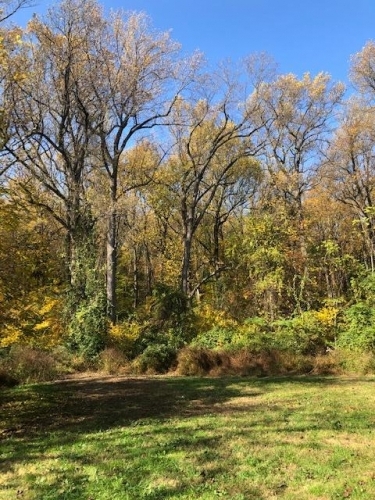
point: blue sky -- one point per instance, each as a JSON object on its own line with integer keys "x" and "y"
{"x": 302, "y": 35}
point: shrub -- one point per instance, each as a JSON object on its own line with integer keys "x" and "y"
{"x": 27, "y": 364}
{"x": 303, "y": 334}
{"x": 88, "y": 328}
{"x": 359, "y": 363}
{"x": 168, "y": 304}
{"x": 358, "y": 331}
{"x": 255, "y": 335}
{"x": 217, "y": 338}
{"x": 156, "y": 359}
{"x": 111, "y": 360}
{"x": 197, "y": 361}
{"x": 125, "y": 335}
{"x": 328, "y": 364}
{"x": 208, "y": 318}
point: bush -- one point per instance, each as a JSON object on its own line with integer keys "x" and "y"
{"x": 355, "y": 362}
{"x": 156, "y": 359}
{"x": 125, "y": 335}
{"x": 358, "y": 331}
{"x": 216, "y": 338}
{"x": 198, "y": 361}
{"x": 304, "y": 334}
{"x": 111, "y": 360}
{"x": 328, "y": 364}
{"x": 87, "y": 328}
{"x": 27, "y": 364}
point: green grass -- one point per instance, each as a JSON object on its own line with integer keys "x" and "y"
{"x": 189, "y": 438}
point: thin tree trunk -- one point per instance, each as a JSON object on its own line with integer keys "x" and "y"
{"x": 135, "y": 279}
{"x": 186, "y": 260}
{"x": 112, "y": 257}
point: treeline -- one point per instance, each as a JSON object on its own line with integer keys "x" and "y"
{"x": 148, "y": 203}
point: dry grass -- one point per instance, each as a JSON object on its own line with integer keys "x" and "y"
{"x": 198, "y": 361}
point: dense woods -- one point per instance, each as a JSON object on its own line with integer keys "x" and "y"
{"x": 148, "y": 203}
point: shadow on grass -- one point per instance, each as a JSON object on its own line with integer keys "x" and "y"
{"x": 38, "y": 421}
{"x": 91, "y": 405}
{"x": 95, "y": 404}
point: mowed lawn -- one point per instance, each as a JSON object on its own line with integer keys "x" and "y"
{"x": 189, "y": 438}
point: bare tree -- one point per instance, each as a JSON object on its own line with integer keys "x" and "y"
{"x": 212, "y": 138}
{"x": 9, "y": 7}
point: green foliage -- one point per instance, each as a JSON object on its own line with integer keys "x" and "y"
{"x": 215, "y": 338}
{"x": 166, "y": 325}
{"x": 308, "y": 333}
{"x": 255, "y": 334}
{"x": 363, "y": 288}
{"x": 157, "y": 358}
{"x": 168, "y": 304}
{"x": 302, "y": 334}
{"x": 359, "y": 328}
{"x": 87, "y": 323}
{"x": 88, "y": 327}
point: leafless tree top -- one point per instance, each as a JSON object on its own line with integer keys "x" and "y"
{"x": 9, "y": 7}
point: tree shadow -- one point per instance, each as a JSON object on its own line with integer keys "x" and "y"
{"x": 99, "y": 403}
{"x": 95, "y": 404}
{"x": 68, "y": 410}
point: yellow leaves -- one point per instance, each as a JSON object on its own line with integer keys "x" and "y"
{"x": 362, "y": 70}
{"x": 208, "y": 317}
{"x": 327, "y": 316}
{"x": 49, "y": 305}
{"x": 9, "y": 41}
{"x": 42, "y": 326}
{"x": 124, "y": 335}
{"x": 9, "y": 335}
{"x": 35, "y": 320}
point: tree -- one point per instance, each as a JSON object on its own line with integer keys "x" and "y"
{"x": 350, "y": 169}
{"x": 135, "y": 76}
{"x": 9, "y": 7}
{"x": 10, "y": 38}
{"x": 51, "y": 127}
{"x": 298, "y": 116}
{"x": 30, "y": 275}
{"x": 211, "y": 142}
{"x": 362, "y": 71}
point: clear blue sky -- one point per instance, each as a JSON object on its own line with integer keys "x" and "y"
{"x": 302, "y": 35}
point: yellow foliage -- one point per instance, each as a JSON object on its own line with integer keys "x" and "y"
{"x": 327, "y": 316}
{"x": 34, "y": 321}
{"x": 48, "y": 306}
{"x": 124, "y": 335}
{"x": 10, "y": 335}
{"x": 42, "y": 326}
{"x": 207, "y": 317}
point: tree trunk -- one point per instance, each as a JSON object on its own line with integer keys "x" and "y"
{"x": 135, "y": 278}
{"x": 112, "y": 256}
{"x": 186, "y": 260}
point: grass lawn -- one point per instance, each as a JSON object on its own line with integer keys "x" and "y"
{"x": 189, "y": 438}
